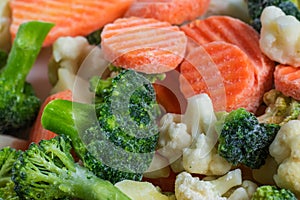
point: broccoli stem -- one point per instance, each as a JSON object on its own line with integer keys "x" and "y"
{"x": 68, "y": 118}
{"x": 25, "y": 49}
{"x": 92, "y": 188}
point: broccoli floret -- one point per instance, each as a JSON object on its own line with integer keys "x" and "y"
{"x": 48, "y": 171}
{"x": 117, "y": 136}
{"x": 243, "y": 140}
{"x": 18, "y": 103}
{"x": 270, "y": 192}
{"x": 280, "y": 108}
{"x": 255, "y": 8}
{"x": 8, "y": 156}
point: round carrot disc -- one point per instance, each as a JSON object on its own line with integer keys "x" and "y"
{"x": 143, "y": 44}
{"x": 237, "y": 32}
{"x": 287, "y": 81}
{"x": 172, "y": 11}
{"x": 221, "y": 70}
{"x": 71, "y": 18}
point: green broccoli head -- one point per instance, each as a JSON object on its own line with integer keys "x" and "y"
{"x": 243, "y": 140}
{"x": 19, "y": 105}
{"x": 119, "y": 141}
{"x": 18, "y": 108}
{"x": 126, "y": 135}
{"x": 255, "y": 8}
{"x": 8, "y": 156}
{"x": 272, "y": 193}
{"x": 8, "y": 192}
{"x": 48, "y": 171}
{"x": 280, "y": 108}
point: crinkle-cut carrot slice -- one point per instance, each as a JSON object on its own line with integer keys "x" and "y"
{"x": 143, "y": 44}
{"x": 226, "y": 74}
{"x": 71, "y": 18}
{"x": 172, "y": 11}
{"x": 235, "y": 31}
{"x": 37, "y": 132}
{"x": 287, "y": 80}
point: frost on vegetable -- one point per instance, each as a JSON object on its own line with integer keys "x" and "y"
{"x": 69, "y": 54}
{"x": 188, "y": 187}
{"x": 286, "y": 152}
{"x": 280, "y": 36}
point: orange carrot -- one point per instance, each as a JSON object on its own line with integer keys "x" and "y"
{"x": 287, "y": 80}
{"x": 145, "y": 45}
{"x": 223, "y": 71}
{"x": 235, "y": 31}
{"x": 172, "y": 11}
{"x": 71, "y": 18}
{"x": 37, "y": 132}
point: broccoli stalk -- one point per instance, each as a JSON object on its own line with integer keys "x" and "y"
{"x": 272, "y": 193}
{"x": 48, "y": 171}
{"x": 116, "y": 137}
{"x": 18, "y": 104}
{"x": 8, "y": 156}
{"x": 243, "y": 140}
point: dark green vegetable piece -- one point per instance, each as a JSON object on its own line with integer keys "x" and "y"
{"x": 47, "y": 171}
{"x": 255, "y": 8}
{"x": 116, "y": 137}
{"x": 269, "y": 192}
{"x": 3, "y": 58}
{"x": 8, "y": 156}
{"x": 243, "y": 140}
{"x": 18, "y": 103}
{"x": 94, "y": 38}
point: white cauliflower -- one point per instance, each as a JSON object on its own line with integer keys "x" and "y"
{"x": 280, "y": 36}
{"x": 286, "y": 151}
{"x": 188, "y": 140}
{"x": 69, "y": 55}
{"x": 188, "y": 187}
{"x": 5, "y": 21}
{"x": 202, "y": 157}
{"x": 173, "y": 137}
{"x": 244, "y": 192}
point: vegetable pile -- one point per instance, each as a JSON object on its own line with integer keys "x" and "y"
{"x": 151, "y": 99}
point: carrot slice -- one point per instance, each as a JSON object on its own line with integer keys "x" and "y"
{"x": 235, "y": 31}
{"x": 229, "y": 83}
{"x": 37, "y": 132}
{"x": 287, "y": 80}
{"x": 71, "y": 18}
{"x": 172, "y": 11}
{"x": 143, "y": 44}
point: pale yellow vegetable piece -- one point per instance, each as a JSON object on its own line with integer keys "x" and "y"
{"x": 141, "y": 190}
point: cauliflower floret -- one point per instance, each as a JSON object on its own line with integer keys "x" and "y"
{"x": 188, "y": 140}
{"x": 70, "y": 54}
{"x": 192, "y": 188}
{"x": 280, "y": 36}
{"x": 5, "y": 21}
{"x": 286, "y": 151}
{"x": 202, "y": 157}
{"x": 173, "y": 137}
{"x": 244, "y": 192}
